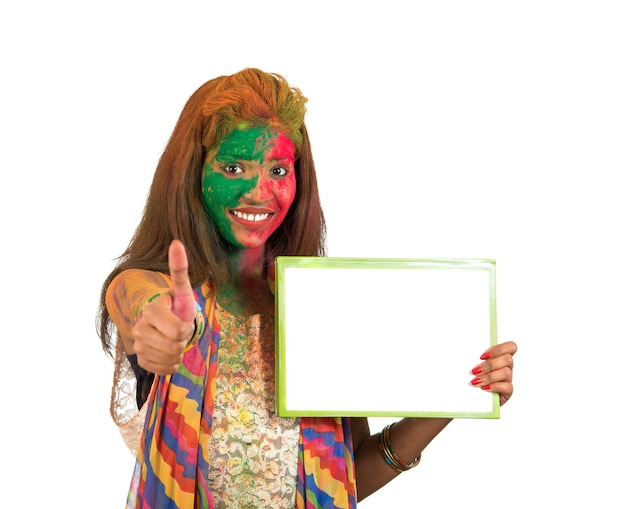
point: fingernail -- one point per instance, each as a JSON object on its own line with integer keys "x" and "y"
{"x": 477, "y": 370}
{"x": 485, "y": 356}
{"x": 486, "y": 387}
{"x": 476, "y": 381}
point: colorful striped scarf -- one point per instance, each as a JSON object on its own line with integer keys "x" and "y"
{"x": 171, "y": 471}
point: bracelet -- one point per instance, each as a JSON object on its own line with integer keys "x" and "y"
{"x": 199, "y": 326}
{"x": 390, "y": 456}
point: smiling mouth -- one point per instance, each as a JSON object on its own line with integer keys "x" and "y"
{"x": 255, "y": 218}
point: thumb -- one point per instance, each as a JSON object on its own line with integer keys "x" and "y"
{"x": 183, "y": 302}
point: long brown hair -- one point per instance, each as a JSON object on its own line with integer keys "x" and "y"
{"x": 175, "y": 209}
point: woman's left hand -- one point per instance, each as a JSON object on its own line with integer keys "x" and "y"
{"x": 495, "y": 373}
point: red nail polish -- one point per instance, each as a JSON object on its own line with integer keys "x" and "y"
{"x": 486, "y": 387}
{"x": 485, "y": 356}
{"x": 477, "y": 370}
{"x": 476, "y": 381}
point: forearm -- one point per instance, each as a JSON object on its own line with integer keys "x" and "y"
{"x": 409, "y": 438}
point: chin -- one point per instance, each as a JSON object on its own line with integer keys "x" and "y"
{"x": 251, "y": 243}
{"x": 249, "y": 240}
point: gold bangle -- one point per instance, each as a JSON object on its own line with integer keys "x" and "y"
{"x": 199, "y": 327}
{"x": 390, "y": 456}
{"x": 387, "y": 457}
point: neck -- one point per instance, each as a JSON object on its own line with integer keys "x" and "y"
{"x": 247, "y": 292}
{"x": 247, "y": 263}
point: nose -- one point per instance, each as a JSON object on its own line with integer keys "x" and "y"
{"x": 260, "y": 192}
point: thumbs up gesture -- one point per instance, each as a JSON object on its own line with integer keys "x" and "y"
{"x": 167, "y": 321}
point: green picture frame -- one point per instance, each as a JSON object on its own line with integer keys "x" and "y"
{"x": 383, "y": 337}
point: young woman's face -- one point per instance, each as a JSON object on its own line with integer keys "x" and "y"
{"x": 249, "y": 183}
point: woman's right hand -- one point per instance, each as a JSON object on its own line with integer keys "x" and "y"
{"x": 166, "y": 325}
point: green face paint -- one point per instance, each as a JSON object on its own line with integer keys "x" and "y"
{"x": 247, "y": 144}
{"x": 221, "y": 193}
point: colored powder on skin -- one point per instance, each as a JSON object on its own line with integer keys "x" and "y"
{"x": 220, "y": 192}
{"x": 249, "y": 144}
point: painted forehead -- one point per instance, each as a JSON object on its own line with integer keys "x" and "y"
{"x": 253, "y": 143}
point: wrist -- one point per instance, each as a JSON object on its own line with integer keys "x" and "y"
{"x": 198, "y": 327}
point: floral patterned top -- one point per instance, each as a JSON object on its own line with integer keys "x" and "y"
{"x": 253, "y": 453}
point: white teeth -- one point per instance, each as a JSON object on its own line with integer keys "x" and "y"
{"x": 250, "y": 217}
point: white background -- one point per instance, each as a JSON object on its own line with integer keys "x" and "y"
{"x": 486, "y": 129}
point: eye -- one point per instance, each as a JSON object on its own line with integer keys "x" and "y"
{"x": 279, "y": 171}
{"x": 233, "y": 169}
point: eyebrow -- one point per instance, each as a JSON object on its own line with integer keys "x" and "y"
{"x": 234, "y": 156}
{"x": 284, "y": 159}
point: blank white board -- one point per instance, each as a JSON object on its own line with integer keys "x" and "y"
{"x": 383, "y": 337}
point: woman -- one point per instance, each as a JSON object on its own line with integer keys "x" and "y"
{"x": 236, "y": 187}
